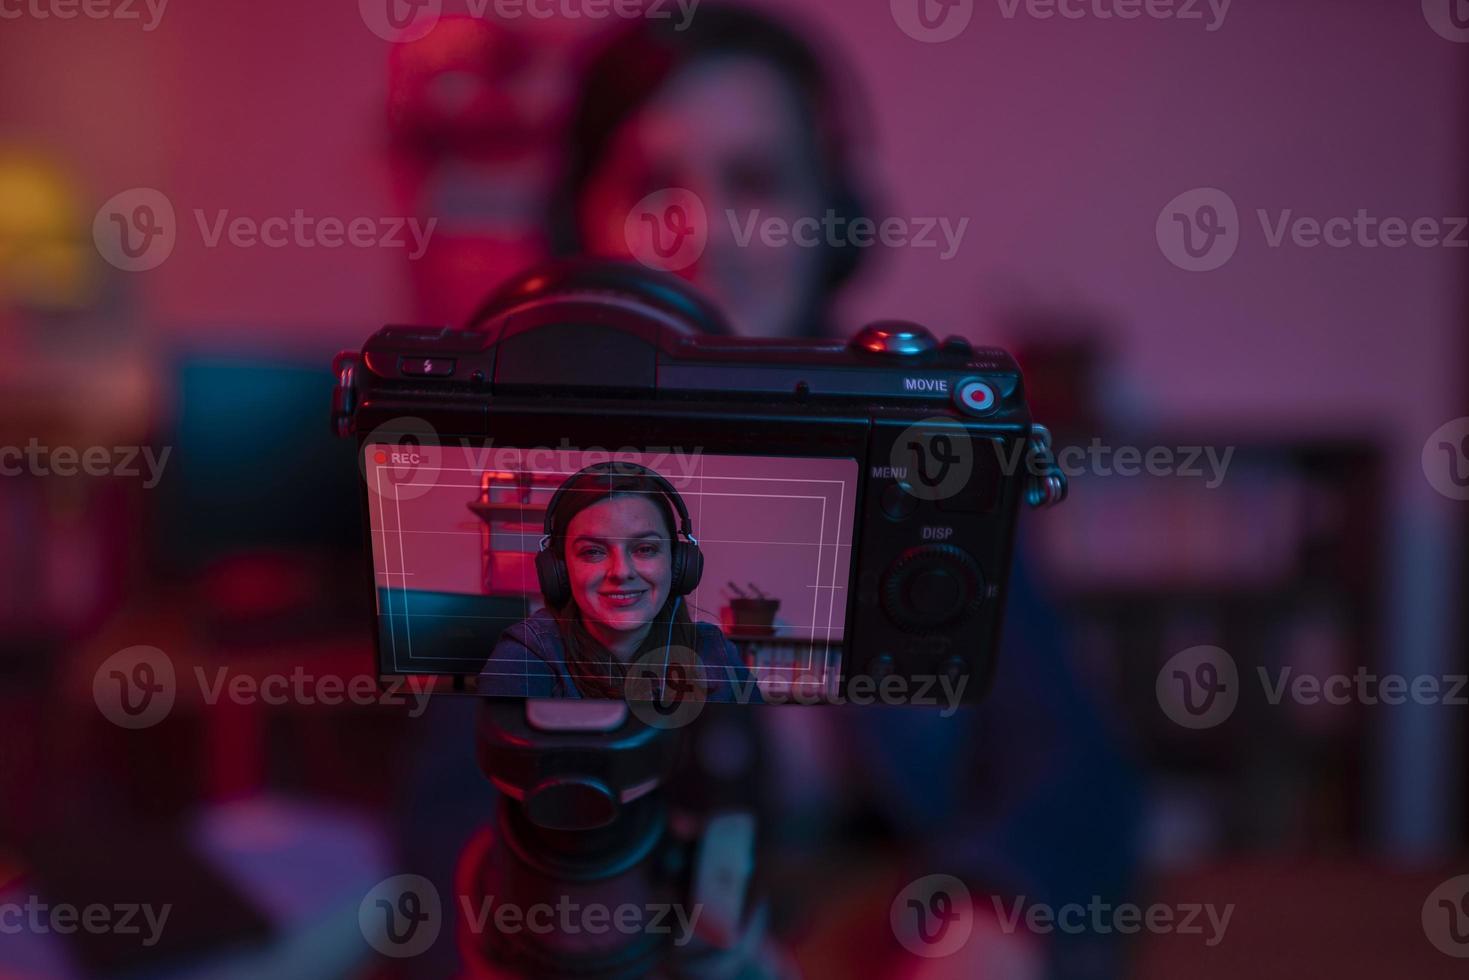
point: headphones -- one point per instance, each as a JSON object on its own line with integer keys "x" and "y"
{"x": 655, "y": 296}
{"x": 688, "y": 560}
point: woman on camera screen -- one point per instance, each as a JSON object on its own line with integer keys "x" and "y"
{"x": 615, "y": 565}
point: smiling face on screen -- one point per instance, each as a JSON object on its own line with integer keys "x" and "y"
{"x": 620, "y": 564}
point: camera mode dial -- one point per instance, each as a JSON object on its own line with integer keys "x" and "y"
{"x": 894, "y": 337}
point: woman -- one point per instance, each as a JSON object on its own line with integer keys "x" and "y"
{"x": 614, "y": 575}
{"x": 737, "y": 110}
{"x": 1027, "y": 794}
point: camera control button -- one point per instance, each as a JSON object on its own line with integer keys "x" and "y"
{"x": 427, "y": 367}
{"x": 974, "y": 396}
{"x": 898, "y": 337}
{"x": 897, "y": 502}
{"x": 931, "y": 587}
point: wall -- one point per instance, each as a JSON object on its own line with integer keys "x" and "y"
{"x": 1059, "y": 139}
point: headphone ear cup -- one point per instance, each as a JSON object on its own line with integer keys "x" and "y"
{"x": 688, "y": 567}
{"x": 551, "y": 571}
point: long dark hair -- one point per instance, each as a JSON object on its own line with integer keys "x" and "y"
{"x": 593, "y": 668}
{"x": 639, "y": 61}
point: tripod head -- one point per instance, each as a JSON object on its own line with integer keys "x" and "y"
{"x": 583, "y": 822}
{"x": 572, "y": 765}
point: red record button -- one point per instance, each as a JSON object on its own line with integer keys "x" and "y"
{"x": 974, "y": 396}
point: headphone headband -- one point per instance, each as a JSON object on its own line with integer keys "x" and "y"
{"x": 617, "y": 468}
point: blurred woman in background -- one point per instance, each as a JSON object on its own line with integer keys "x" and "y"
{"x": 1025, "y": 796}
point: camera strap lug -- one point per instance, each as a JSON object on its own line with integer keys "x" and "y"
{"x": 1046, "y": 485}
{"x": 344, "y": 395}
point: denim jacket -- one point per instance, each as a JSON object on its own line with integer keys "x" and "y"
{"x": 530, "y": 661}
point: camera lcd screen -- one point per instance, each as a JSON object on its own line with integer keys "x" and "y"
{"x": 610, "y": 603}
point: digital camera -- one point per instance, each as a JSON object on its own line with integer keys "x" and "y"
{"x": 594, "y": 475}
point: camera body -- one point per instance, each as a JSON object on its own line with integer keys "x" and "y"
{"x": 933, "y": 442}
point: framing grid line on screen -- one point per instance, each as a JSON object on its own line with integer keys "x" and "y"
{"x": 721, "y": 524}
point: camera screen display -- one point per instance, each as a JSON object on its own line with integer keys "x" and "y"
{"x": 591, "y": 573}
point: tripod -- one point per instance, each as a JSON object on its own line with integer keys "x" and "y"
{"x": 585, "y": 872}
